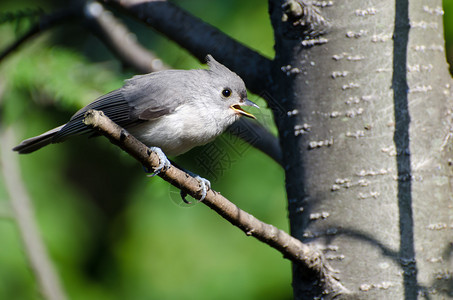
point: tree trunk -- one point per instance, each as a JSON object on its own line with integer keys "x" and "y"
{"x": 362, "y": 100}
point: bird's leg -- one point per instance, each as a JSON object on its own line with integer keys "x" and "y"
{"x": 164, "y": 163}
{"x": 205, "y": 186}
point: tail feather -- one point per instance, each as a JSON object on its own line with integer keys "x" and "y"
{"x": 37, "y": 142}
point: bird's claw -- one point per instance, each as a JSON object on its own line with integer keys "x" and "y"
{"x": 205, "y": 186}
{"x": 164, "y": 163}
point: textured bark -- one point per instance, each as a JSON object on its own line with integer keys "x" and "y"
{"x": 363, "y": 107}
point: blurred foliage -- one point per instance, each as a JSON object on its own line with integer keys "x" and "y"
{"x": 448, "y": 30}
{"x": 112, "y": 232}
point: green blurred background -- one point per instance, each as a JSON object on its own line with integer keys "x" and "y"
{"x": 112, "y": 232}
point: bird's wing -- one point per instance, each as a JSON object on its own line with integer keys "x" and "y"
{"x": 134, "y": 103}
{"x": 153, "y": 95}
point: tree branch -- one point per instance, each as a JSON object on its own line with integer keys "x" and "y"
{"x": 120, "y": 40}
{"x": 259, "y": 137}
{"x": 200, "y": 39}
{"x": 290, "y": 247}
{"x": 22, "y": 208}
{"x": 45, "y": 22}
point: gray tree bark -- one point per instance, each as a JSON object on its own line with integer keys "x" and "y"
{"x": 362, "y": 99}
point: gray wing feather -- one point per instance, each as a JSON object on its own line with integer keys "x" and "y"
{"x": 154, "y": 95}
{"x": 112, "y": 104}
{"x": 132, "y": 104}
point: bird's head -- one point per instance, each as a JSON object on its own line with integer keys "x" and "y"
{"x": 230, "y": 89}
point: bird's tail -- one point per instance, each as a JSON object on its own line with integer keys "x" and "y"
{"x": 37, "y": 142}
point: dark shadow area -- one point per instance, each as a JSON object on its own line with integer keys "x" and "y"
{"x": 97, "y": 172}
{"x": 442, "y": 281}
{"x": 401, "y": 139}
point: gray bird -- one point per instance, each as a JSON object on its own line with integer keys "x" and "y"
{"x": 171, "y": 111}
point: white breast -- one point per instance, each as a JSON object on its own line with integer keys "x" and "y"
{"x": 184, "y": 129}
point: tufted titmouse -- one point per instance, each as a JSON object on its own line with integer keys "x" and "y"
{"x": 174, "y": 110}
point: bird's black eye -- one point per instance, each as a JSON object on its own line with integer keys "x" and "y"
{"x": 226, "y": 92}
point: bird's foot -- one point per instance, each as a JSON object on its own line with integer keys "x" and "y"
{"x": 164, "y": 163}
{"x": 205, "y": 186}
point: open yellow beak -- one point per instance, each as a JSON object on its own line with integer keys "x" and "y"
{"x": 238, "y": 109}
